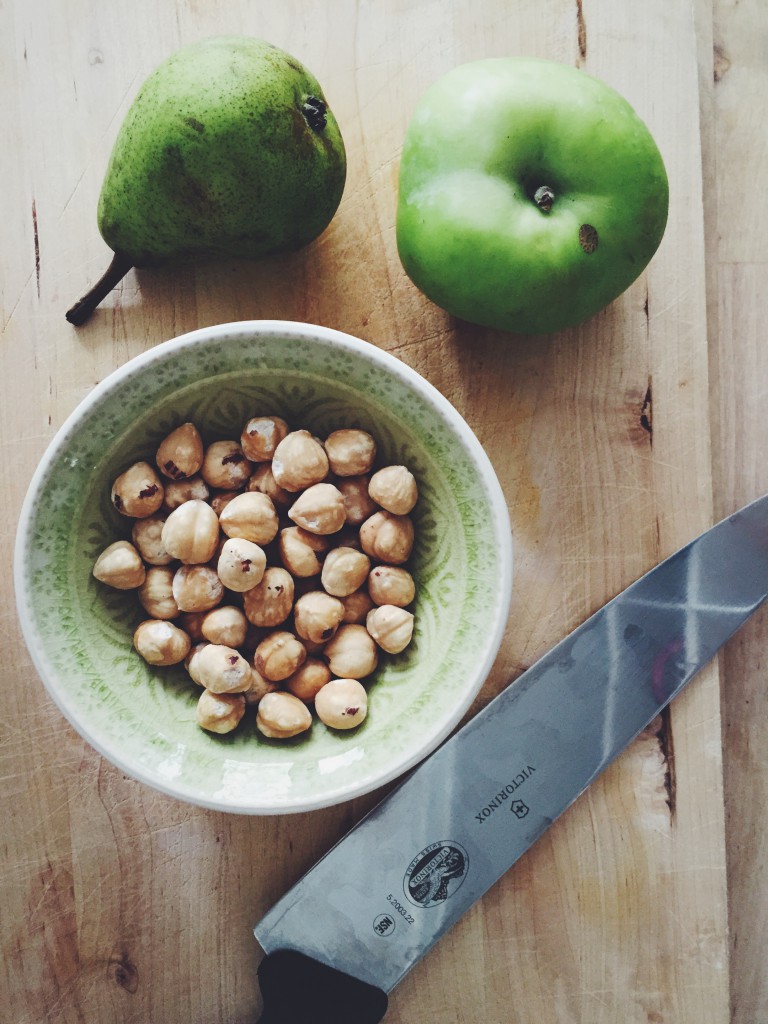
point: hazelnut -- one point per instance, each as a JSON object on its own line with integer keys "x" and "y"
{"x": 344, "y": 571}
{"x": 389, "y": 584}
{"x": 220, "y": 501}
{"x": 279, "y": 655}
{"x": 196, "y": 588}
{"x": 262, "y": 479}
{"x": 317, "y": 615}
{"x": 192, "y": 624}
{"x": 299, "y": 461}
{"x": 358, "y": 504}
{"x": 350, "y": 452}
{"x": 222, "y": 669}
{"x": 342, "y": 703}
{"x": 313, "y": 648}
{"x": 261, "y": 436}
{"x": 390, "y": 627}
{"x": 259, "y": 688}
{"x": 179, "y": 491}
{"x": 180, "y": 454}
{"x": 156, "y": 593}
{"x": 160, "y": 642}
{"x": 351, "y": 652}
{"x": 220, "y": 712}
{"x": 225, "y": 625}
{"x": 250, "y": 515}
{"x": 241, "y": 564}
{"x": 191, "y": 662}
{"x": 281, "y": 715}
{"x": 146, "y": 535}
{"x": 299, "y": 550}
{"x": 225, "y": 466}
{"x": 319, "y": 509}
{"x": 394, "y": 488}
{"x": 386, "y": 537}
{"x": 308, "y": 679}
{"x": 120, "y": 566}
{"x": 191, "y": 532}
{"x": 138, "y": 491}
{"x": 356, "y": 606}
{"x": 270, "y": 602}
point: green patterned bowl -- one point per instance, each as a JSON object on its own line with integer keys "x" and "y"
{"x": 143, "y": 719}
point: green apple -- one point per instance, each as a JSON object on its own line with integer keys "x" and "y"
{"x": 530, "y": 196}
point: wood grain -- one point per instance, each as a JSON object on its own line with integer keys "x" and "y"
{"x": 119, "y": 904}
{"x": 737, "y": 252}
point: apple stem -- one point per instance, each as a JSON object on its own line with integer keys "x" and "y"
{"x": 544, "y": 197}
{"x": 113, "y": 275}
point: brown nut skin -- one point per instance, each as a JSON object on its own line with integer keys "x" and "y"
{"x": 138, "y": 492}
{"x": 261, "y": 436}
{"x": 391, "y": 584}
{"x": 270, "y": 602}
{"x": 197, "y": 588}
{"x": 279, "y": 655}
{"x": 351, "y": 452}
{"x": 385, "y": 537}
{"x": 222, "y": 669}
{"x": 191, "y": 532}
{"x": 319, "y": 509}
{"x": 180, "y": 454}
{"x": 300, "y": 551}
{"x": 147, "y": 537}
{"x": 120, "y": 566}
{"x": 299, "y": 461}
{"x": 156, "y": 593}
{"x": 179, "y": 491}
{"x": 225, "y": 466}
{"x": 342, "y": 704}
{"x": 241, "y": 564}
{"x": 308, "y": 679}
{"x": 281, "y": 715}
{"x": 356, "y": 606}
{"x": 358, "y": 504}
{"x": 160, "y": 642}
{"x": 317, "y": 615}
{"x": 344, "y": 571}
{"x": 391, "y": 627}
{"x": 351, "y": 653}
{"x": 394, "y": 488}
{"x": 252, "y": 516}
{"x": 225, "y": 625}
{"x": 220, "y": 712}
{"x": 262, "y": 479}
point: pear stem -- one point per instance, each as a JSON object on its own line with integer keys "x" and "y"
{"x": 114, "y": 274}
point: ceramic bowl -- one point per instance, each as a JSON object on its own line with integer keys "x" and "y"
{"x": 79, "y": 631}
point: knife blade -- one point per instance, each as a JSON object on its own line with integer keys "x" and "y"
{"x": 349, "y": 930}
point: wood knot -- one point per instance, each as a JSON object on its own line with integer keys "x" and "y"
{"x": 123, "y": 972}
{"x": 720, "y": 63}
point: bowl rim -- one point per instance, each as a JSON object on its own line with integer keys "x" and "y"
{"x": 311, "y": 332}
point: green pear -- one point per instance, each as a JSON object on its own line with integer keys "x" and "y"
{"x": 228, "y": 150}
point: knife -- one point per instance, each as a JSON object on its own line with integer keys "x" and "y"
{"x": 341, "y": 939}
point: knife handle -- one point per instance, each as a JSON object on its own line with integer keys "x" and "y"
{"x": 296, "y": 989}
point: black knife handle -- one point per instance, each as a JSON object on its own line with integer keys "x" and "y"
{"x": 299, "y": 990}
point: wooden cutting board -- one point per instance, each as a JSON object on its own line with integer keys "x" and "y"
{"x": 119, "y": 904}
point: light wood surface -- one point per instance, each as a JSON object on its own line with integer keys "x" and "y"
{"x": 615, "y": 443}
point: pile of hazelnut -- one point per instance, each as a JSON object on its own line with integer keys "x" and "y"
{"x": 272, "y": 566}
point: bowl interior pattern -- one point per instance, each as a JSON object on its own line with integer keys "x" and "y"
{"x": 143, "y": 718}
